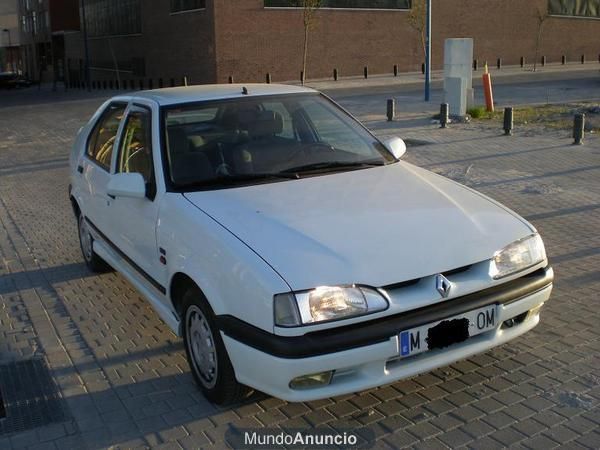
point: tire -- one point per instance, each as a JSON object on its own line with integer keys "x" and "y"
{"x": 206, "y": 353}
{"x": 86, "y": 243}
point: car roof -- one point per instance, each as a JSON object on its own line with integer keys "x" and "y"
{"x": 200, "y": 93}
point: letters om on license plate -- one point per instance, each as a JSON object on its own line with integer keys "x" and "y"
{"x": 448, "y": 331}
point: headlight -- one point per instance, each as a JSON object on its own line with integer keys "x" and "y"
{"x": 518, "y": 256}
{"x": 326, "y": 303}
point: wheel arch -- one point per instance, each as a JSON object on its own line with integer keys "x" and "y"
{"x": 75, "y": 206}
{"x": 180, "y": 282}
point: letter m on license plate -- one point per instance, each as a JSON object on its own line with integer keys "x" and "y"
{"x": 449, "y": 331}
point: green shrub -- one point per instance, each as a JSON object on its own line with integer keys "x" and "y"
{"x": 477, "y": 112}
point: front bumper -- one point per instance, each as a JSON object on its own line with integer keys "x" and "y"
{"x": 366, "y": 355}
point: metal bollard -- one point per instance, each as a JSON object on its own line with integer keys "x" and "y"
{"x": 395, "y": 70}
{"x": 444, "y": 111}
{"x": 160, "y": 83}
{"x": 423, "y": 68}
{"x": 141, "y": 85}
{"x": 104, "y": 85}
{"x": 522, "y": 62}
{"x": 508, "y": 121}
{"x": 582, "y": 59}
{"x": 564, "y": 60}
{"x": 499, "y": 63}
{"x": 578, "y": 129}
{"x": 268, "y": 78}
{"x": 335, "y": 74}
{"x": 391, "y": 109}
{"x": 230, "y": 80}
{"x": 150, "y": 84}
{"x": 366, "y": 72}
{"x": 543, "y": 61}
{"x": 302, "y": 77}
{"x": 475, "y": 64}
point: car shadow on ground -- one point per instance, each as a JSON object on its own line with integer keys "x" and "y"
{"x": 14, "y": 282}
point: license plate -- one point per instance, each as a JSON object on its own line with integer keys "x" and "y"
{"x": 449, "y": 331}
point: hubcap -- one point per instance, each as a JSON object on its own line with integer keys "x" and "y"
{"x": 202, "y": 346}
{"x": 85, "y": 239}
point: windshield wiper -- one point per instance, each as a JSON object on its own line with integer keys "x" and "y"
{"x": 225, "y": 180}
{"x": 336, "y": 165}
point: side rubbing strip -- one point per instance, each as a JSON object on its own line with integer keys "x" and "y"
{"x": 159, "y": 287}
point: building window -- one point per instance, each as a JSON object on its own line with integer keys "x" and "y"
{"x": 350, "y": 4}
{"x": 113, "y": 17}
{"x": 187, "y": 5}
{"x": 574, "y": 8}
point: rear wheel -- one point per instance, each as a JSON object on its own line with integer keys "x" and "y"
{"x": 86, "y": 242}
{"x": 206, "y": 352}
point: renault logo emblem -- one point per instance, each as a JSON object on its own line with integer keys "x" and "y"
{"x": 443, "y": 285}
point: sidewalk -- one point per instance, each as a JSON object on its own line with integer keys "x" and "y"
{"x": 417, "y": 78}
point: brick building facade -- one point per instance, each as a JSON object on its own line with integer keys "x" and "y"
{"x": 210, "y": 40}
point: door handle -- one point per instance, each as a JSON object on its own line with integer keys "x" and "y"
{"x": 80, "y": 168}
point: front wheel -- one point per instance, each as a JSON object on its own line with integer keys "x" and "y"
{"x": 86, "y": 242}
{"x": 206, "y": 352}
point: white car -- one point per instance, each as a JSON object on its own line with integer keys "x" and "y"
{"x": 294, "y": 251}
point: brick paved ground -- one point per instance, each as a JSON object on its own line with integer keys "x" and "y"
{"x": 124, "y": 374}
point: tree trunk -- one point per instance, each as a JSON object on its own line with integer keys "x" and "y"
{"x": 537, "y": 47}
{"x": 305, "y": 55}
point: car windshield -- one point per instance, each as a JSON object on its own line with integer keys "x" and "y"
{"x": 264, "y": 139}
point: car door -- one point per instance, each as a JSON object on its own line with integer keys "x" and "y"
{"x": 133, "y": 220}
{"x": 95, "y": 163}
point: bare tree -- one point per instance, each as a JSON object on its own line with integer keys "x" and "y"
{"x": 309, "y": 7}
{"x": 541, "y": 16}
{"x": 417, "y": 19}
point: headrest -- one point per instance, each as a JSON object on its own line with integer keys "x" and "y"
{"x": 267, "y": 123}
{"x": 178, "y": 141}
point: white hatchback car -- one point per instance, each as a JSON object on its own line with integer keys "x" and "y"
{"x": 292, "y": 249}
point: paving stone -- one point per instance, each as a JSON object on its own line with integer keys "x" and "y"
{"x": 561, "y": 434}
{"x": 507, "y": 436}
{"x": 455, "y": 438}
{"x": 477, "y": 428}
{"x": 537, "y": 442}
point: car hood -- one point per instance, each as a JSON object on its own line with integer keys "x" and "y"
{"x": 375, "y": 226}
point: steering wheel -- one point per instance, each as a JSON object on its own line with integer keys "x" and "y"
{"x": 223, "y": 168}
{"x": 136, "y": 150}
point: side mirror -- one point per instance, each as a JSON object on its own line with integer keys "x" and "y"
{"x": 130, "y": 185}
{"x": 396, "y": 146}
